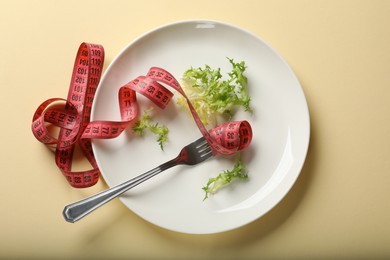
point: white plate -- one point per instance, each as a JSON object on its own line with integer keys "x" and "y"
{"x": 174, "y": 199}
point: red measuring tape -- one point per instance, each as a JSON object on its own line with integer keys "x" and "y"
{"x": 73, "y": 117}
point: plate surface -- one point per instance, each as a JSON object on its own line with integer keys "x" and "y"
{"x": 280, "y": 122}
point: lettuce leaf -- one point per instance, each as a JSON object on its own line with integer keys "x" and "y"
{"x": 225, "y": 178}
{"x": 212, "y": 96}
{"x": 145, "y": 123}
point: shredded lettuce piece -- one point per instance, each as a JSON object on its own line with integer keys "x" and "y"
{"x": 225, "y": 178}
{"x": 145, "y": 123}
{"x": 212, "y": 96}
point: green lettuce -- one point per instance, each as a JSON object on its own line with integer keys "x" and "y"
{"x": 145, "y": 123}
{"x": 212, "y": 96}
{"x": 225, "y": 178}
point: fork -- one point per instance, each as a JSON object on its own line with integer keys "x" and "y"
{"x": 192, "y": 154}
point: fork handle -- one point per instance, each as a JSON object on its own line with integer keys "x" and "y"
{"x": 75, "y": 211}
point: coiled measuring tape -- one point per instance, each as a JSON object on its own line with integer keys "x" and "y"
{"x": 73, "y": 116}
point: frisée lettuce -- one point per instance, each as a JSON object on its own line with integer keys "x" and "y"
{"x": 225, "y": 178}
{"x": 145, "y": 123}
{"x": 211, "y": 95}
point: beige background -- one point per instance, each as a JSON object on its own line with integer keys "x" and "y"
{"x": 339, "y": 207}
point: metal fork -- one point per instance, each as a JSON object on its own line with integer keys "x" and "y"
{"x": 194, "y": 153}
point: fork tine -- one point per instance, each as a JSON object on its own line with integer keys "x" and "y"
{"x": 205, "y": 149}
{"x": 203, "y": 146}
{"x": 197, "y": 152}
{"x": 207, "y": 153}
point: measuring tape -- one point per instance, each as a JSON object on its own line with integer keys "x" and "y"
{"x": 73, "y": 115}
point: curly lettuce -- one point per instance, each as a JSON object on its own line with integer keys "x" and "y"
{"x": 211, "y": 95}
{"x": 225, "y": 178}
{"x": 145, "y": 123}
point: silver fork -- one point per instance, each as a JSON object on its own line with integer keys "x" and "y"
{"x": 194, "y": 153}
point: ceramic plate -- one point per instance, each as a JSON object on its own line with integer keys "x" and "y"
{"x": 280, "y": 122}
